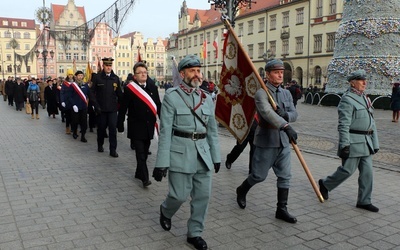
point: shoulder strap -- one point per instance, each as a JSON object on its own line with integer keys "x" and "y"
{"x": 191, "y": 110}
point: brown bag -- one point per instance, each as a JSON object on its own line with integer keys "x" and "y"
{"x": 28, "y": 108}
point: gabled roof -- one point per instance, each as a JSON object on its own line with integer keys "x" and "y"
{"x": 30, "y": 23}
{"x": 131, "y": 34}
{"x": 58, "y": 9}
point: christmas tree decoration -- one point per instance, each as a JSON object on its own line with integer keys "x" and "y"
{"x": 368, "y": 38}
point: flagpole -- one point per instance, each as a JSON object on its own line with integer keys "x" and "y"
{"x": 273, "y": 104}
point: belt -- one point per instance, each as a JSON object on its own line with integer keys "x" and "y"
{"x": 194, "y": 136}
{"x": 360, "y": 132}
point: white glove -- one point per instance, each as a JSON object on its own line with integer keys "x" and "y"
{"x": 63, "y": 104}
{"x": 75, "y": 108}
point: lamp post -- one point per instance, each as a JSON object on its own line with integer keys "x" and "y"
{"x": 230, "y": 7}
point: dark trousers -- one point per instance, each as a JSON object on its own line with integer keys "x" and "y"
{"x": 92, "y": 119}
{"x": 4, "y": 97}
{"x": 19, "y": 105}
{"x": 141, "y": 149}
{"x": 66, "y": 115}
{"x": 104, "y": 120}
{"x": 35, "y": 106}
{"x": 238, "y": 149}
{"x": 80, "y": 119}
{"x": 11, "y": 100}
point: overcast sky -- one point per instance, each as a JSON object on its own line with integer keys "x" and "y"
{"x": 154, "y": 18}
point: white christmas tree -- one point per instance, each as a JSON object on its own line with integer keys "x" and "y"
{"x": 368, "y": 38}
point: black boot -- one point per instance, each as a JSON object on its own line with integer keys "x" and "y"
{"x": 83, "y": 138}
{"x": 241, "y": 192}
{"x": 281, "y": 210}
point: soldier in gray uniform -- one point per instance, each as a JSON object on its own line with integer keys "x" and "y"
{"x": 272, "y": 140}
{"x": 189, "y": 148}
{"x": 358, "y": 141}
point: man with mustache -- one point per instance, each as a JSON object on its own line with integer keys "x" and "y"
{"x": 189, "y": 148}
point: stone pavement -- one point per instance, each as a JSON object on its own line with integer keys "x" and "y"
{"x": 59, "y": 193}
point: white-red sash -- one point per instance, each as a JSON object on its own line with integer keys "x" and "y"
{"x": 80, "y": 92}
{"x": 139, "y": 92}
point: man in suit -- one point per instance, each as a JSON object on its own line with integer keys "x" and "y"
{"x": 142, "y": 101}
{"x": 105, "y": 93}
{"x": 272, "y": 140}
{"x": 358, "y": 141}
{"x": 189, "y": 148}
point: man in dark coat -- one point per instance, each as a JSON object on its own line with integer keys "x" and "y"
{"x": 19, "y": 94}
{"x": 142, "y": 101}
{"x": 50, "y": 96}
{"x": 9, "y": 88}
{"x": 105, "y": 93}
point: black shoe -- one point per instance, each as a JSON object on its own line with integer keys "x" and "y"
{"x": 100, "y": 149}
{"x": 368, "y": 207}
{"x": 132, "y": 146}
{"x": 91, "y": 130}
{"x": 164, "y": 221}
{"x": 83, "y": 139}
{"x": 228, "y": 165}
{"x": 148, "y": 153}
{"x": 197, "y": 242}
{"x": 106, "y": 135}
{"x": 323, "y": 190}
{"x": 283, "y": 214}
{"x": 114, "y": 154}
{"x": 146, "y": 183}
{"x": 75, "y": 136}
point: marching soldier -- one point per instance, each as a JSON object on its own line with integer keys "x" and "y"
{"x": 105, "y": 93}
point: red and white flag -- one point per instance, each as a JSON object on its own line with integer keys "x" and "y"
{"x": 235, "y": 107}
{"x": 215, "y": 44}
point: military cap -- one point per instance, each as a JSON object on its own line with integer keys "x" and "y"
{"x": 357, "y": 75}
{"x": 70, "y": 72}
{"x": 189, "y": 61}
{"x": 78, "y": 72}
{"x": 107, "y": 60}
{"x": 274, "y": 64}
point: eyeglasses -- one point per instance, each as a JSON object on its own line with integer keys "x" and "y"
{"x": 141, "y": 73}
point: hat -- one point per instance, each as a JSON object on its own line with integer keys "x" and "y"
{"x": 78, "y": 72}
{"x": 274, "y": 64}
{"x": 189, "y": 61}
{"x": 357, "y": 75}
{"x": 33, "y": 78}
{"x": 70, "y": 72}
{"x": 107, "y": 60}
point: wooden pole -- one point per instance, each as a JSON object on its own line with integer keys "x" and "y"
{"x": 273, "y": 104}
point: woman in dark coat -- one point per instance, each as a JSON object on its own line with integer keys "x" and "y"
{"x": 19, "y": 94}
{"x": 395, "y": 102}
{"x": 50, "y": 96}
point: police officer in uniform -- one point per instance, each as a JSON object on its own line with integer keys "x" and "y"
{"x": 189, "y": 148}
{"x": 105, "y": 93}
{"x": 358, "y": 141}
{"x": 272, "y": 140}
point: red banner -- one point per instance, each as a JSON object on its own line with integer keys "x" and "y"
{"x": 235, "y": 106}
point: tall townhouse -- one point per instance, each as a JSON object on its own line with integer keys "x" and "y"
{"x": 101, "y": 45}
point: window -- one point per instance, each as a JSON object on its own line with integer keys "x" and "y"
{"x": 9, "y": 69}
{"x": 319, "y": 8}
{"x": 7, "y": 34}
{"x": 17, "y": 35}
{"x": 285, "y": 19}
{"x": 61, "y": 69}
{"x": 60, "y": 56}
{"x": 201, "y": 40}
{"x": 5, "y": 22}
{"x": 189, "y": 42}
{"x": 83, "y": 56}
{"x": 27, "y": 35}
{"x": 261, "y": 24}
{"x": 8, "y": 46}
{"x": 24, "y": 24}
{"x": 273, "y": 22}
{"x": 195, "y": 41}
{"x": 76, "y": 56}
{"x": 27, "y": 47}
{"x": 76, "y": 47}
{"x": 215, "y": 34}
{"x": 68, "y": 56}
{"x": 28, "y": 69}
{"x": 208, "y": 37}
{"x": 300, "y": 16}
{"x": 317, "y": 43}
{"x": 250, "y": 50}
{"x": 272, "y": 47}
{"x": 18, "y": 68}
{"x": 240, "y": 26}
{"x": 250, "y": 27}
{"x": 261, "y": 50}
{"x": 332, "y": 7}
{"x": 285, "y": 47}
{"x": 330, "y": 42}
{"x": 14, "y": 23}
{"x": 299, "y": 45}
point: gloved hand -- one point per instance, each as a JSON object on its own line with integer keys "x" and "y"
{"x": 75, "y": 108}
{"x": 120, "y": 128}
{"x": 345, "y": 152}
{"x": 63, "y": 104}
{"x": 376, "y": 150}
{"x": 282, "y": 113}
{"x": 159, "y": 173}
{"x": 217, "y": 166}
{"x": 291, "y": 134}
{"x": 97, "y": 110}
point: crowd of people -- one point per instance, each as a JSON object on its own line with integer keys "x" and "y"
{"x": 185, "y": 125}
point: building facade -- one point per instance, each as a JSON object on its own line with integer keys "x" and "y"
{"x": 300, "y": 32}
{"x": 17, "y": 37}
